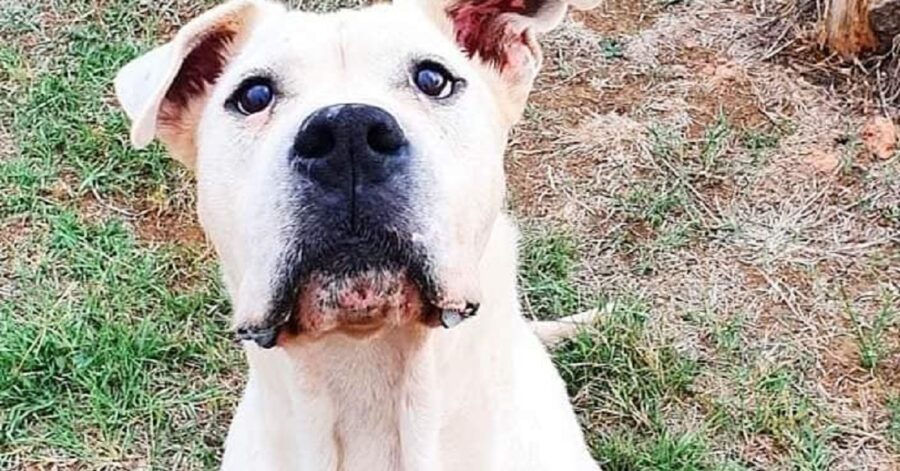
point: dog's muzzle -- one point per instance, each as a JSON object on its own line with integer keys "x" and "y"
{"x": 353, "y": 266}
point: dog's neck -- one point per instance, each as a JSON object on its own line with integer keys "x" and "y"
{"x": 381, "y": 403}
{"x": 374, "y": 389}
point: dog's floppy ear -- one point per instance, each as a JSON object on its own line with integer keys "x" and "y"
{"x": 163, "y": 91}
{"x": 502, "y": 34}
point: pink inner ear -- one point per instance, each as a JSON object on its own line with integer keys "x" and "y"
{"x": 200, "y": 68}
{"x": 479, "y": 29}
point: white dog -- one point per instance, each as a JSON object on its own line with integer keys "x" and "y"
{"x": 350, "y": 176}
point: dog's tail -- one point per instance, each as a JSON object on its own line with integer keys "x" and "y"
{"x": 553, "y": 332}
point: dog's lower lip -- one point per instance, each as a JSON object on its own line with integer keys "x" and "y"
{"x": 450, "y": 318}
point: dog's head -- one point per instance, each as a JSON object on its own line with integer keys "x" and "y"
{"x": 349, "y": 165}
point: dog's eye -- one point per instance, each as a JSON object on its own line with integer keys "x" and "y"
{"x": 433, "y": 80}
{"x": 253, "y": 96}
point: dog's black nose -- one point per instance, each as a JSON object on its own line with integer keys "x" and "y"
{"x": 349, "y": 144}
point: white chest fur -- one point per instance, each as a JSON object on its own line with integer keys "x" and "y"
{"x": 482, "y": 396}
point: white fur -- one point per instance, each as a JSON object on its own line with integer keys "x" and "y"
{"x": 481, "y": 396}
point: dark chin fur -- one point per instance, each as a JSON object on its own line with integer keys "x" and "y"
{"x": 346, "y": 257}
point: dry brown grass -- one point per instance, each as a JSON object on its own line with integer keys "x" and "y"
{"x": 714, "y": 182}
{"x": 792, "y": 34}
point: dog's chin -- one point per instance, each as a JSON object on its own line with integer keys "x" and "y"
{"x": 357, "y": 289}
{"x": 359, "y": 304}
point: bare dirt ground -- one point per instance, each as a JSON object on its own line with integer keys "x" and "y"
{"x": 703, "y": 173}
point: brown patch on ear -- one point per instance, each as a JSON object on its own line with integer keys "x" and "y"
{"x": 186, "y": 97}
{"x": 501, "y": 35}
{"x": 201, "y": 67}
{"x": 481, "y": 31}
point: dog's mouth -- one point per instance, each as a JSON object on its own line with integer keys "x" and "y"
{"x": 356, "y": 287}
{"x": 360, "y": 302}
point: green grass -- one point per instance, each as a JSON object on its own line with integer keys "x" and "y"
{"x": 725, "y": 332}
{"x": 548, "y": 263}
{"x": 654, "y": 206}
{"x": 637, "y": 388}
{"x": 760, "y": 142}
{"x": 893, "y": 407}
{"x": 715, "y": 142}
{"x": 777, "y": 406}
{"x": 660, "y": 210}
{"x": 871, "y": 333}
{"x": 115, "y": 350}
{"x": 812, "y": 451}
{"x": 632, "y": 382}
{"x": 611, "y": 48}
{"x": 625, "y": 452}
{"x": 112, "y": 348}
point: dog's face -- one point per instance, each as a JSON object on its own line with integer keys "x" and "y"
{"x": 349, "y": 165}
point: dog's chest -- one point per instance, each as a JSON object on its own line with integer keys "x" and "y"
{"x": 382, "y": 400}
{"x": 366, "y": 427}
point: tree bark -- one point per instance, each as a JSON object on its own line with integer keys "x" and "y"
{"x": 851, "y": 27}
{"x": 846, "y": 29}
{"x": 884, "y": 16}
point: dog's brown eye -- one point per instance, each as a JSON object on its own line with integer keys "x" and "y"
{"x": 253, "y": 96}
{"x": 434, "y": 80}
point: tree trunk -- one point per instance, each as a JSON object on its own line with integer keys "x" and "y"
{"x": 846, "y": 29}
{"x": 851, "y": 27}
{"x": 884, "y": 16}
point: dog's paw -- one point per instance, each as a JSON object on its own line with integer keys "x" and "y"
{"x": 552, "y": 333}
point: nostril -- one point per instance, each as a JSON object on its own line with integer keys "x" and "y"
{"x": 315, "y": 141}
{"x": 385, "y": 138}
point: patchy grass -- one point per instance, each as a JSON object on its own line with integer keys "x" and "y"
{"x": 760, "y": 143}
{"x": 113, "y": 353}
{"x": 871, "y": 333}
{"x": 894, "y": 422}
{"x": 547, "y": 274}
{"x": 115, "y": 349}
{"x": 739, "y": 203}
{"x": 647, "y": 405}
{"x": 628, "y": 383}
{"x": 626, "y": 452}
